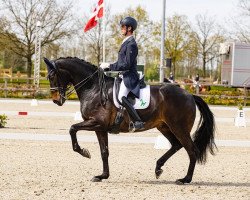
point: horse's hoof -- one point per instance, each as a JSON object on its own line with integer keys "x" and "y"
{"x": 85, "y": 153}
{"x": 179, "y": 182}
{"x": 158, "y": 173}
{"x": 96, "y": 179}
{"x": 182, "y": 181}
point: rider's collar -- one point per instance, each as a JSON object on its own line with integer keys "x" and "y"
{"x": 126, "y": 38}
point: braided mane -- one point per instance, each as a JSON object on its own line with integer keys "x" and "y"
{"x": 78, "y": 60}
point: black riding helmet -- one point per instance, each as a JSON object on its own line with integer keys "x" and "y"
{"x": 129, "y": 21}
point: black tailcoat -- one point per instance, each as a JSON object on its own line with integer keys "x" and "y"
{"x": 127, "y": 62}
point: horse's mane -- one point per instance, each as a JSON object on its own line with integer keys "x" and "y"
{"x": 79, "y": 60}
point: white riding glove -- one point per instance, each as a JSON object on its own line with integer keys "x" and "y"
{"x": 104, "y": 66}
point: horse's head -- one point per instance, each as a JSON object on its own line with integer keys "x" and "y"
{"x": 81, "y": 74}
{"x": 58, "y": 82}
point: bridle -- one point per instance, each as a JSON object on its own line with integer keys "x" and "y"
{"x": 65, "y": 92}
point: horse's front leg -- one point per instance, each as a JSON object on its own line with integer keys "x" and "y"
{"x": 103, "y": 142}
{"x": 85, "y": 125}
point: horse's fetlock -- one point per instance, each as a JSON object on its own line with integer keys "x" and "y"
{"x": 76, "y": 148}
{"x": 159, "y": 163}
{"x": 105, "y": 175}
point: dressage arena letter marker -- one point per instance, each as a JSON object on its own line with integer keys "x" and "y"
{"x": 34, "y": 102}
{"x": 240, "y": 120}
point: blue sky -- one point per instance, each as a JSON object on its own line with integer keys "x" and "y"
{"x": 222, "y": 9}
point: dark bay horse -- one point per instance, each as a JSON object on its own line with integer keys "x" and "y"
{"x": 172, "y": 111}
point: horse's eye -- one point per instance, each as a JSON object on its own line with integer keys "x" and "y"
{"x": 51, "y": 75}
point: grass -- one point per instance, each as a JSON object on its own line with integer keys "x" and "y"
{"x": 3, "y": 120}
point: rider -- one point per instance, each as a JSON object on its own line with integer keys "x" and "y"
{"x": 127, "y": 63}
{"x": 171, "y": 77}
{"x": 197, "y": 78}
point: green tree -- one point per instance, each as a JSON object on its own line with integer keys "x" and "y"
{"x": 242, "y": 22}
{"x": 23, "y": 15}
{"x": 142, "y": 33}
{"x": 190, "y": 57}
{"x": 152, "y": 72}
{"x": 177, "y": 42}
{"x": 7, "y": 57}
{"x": 208, "y": 35}
{"x": 177, "y": 39}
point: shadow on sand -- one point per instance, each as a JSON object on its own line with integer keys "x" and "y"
{"x": 208, "y": 184}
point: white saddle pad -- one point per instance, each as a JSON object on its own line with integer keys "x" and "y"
{"x": 141, "y": 103}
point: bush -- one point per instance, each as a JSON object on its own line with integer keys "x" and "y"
{"x": 3, "y": 120}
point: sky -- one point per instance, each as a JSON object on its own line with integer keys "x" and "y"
{"x": 221, "y": 9}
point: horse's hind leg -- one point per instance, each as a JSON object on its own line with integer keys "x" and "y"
{"x": 174, "y": 148}
{"x": 192, "y": 151}
{"x": 184, "y": 138}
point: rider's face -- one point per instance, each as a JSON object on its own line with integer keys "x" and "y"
{"x": 123, "y": 30}
{"x": 126, "y": 30}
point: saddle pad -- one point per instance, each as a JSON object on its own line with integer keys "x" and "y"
{"x": 141, "y": 103}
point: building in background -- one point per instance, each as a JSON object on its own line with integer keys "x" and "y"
{"x": 235, "y": 70}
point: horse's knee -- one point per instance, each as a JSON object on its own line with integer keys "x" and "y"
{"x": 72, "y": 130}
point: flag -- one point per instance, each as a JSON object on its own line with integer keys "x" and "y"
{"x": 97, "y": 14}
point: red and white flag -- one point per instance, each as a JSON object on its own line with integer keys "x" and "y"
{"x": 97, "y": 14}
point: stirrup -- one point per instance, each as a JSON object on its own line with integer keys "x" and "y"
{"x": 135, "y": 126}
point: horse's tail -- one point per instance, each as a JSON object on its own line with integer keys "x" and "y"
{"x": 204, "y": 135}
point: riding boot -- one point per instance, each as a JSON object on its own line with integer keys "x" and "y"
{"x": 138, "y": 123}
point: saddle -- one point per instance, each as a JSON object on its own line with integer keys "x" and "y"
{"x": 131, "y": 97}
{"x": 141, "y": 103}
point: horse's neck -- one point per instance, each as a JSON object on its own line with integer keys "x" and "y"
{"x": 81, "y": 80}
{"x": 78, "y": 74}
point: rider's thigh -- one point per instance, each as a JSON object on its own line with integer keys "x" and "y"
{"x": 123, "y": 91}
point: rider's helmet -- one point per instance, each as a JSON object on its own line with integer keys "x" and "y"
{"x": 129, "y": 21}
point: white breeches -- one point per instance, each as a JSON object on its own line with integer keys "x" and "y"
{"x": 123, "y": 91}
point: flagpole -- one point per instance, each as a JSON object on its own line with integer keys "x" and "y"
{"x": 162, "y": 41}
{"x": 103, "y": 34}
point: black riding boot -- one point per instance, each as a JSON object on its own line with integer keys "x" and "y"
{"x": 138, "y": 123}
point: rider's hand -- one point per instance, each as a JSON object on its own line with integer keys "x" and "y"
{"x": 105, "y": 66}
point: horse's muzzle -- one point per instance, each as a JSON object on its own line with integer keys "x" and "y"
{"x": 57, "y": 98}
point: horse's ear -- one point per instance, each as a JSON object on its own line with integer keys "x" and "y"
{"x": 50, "y": 65}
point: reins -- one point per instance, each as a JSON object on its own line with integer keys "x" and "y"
{"x": 79, "y": 85}
{"x": 102, "y": 85}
